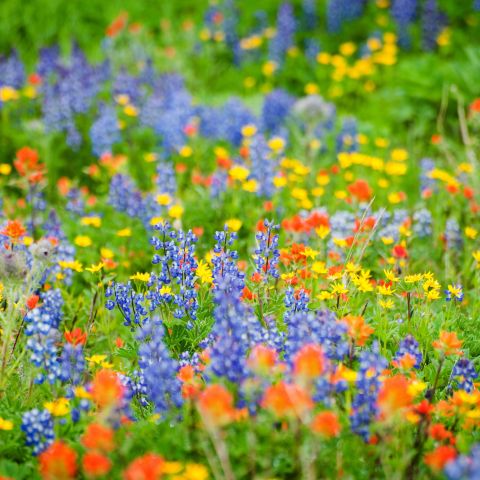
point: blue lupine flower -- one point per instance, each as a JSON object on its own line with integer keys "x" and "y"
{"x": 453, "y": 235}
{"x": 422, "y": 223}
{"x": 230, "y": 27}
{"x": 347, "y": 137}
{"x": 463, "y": 374}
{"x": 12, "y": 71}
{"x": 433, "y": 22}
{"x": 127, "y": 84}
{"x": 48, "y": 61}
{"x": 263, "y": 167}
{"x": 284, "y": 37}
{"x": 411, "y": 347}
{"x": 130, "y": 303}
{"x": 104, "y": 132}
{"x": 158, "y": 368}
{"x": 276, "y": 107}
{"x": 404, "y": 12}
{"x": 234, "y": 117}
{"x": 294, "y": 304}
{"x": 309, "y": 14}
{"x": 176, "y": 257}
{"x": 267, "y": 254}
{"x": 312, "y": 49}
{"x": 166, "y": 181}
{"x": 38, "y": 428}
{"x": 42, "y": 329}
{"x": 72, "y": 364}
{"x": 70, "y": 90}
{"x": 464, "y": 467}
{"x": 125, "y": 197}
{"x": 340, "y": 11}
{"x": 364, "y": 405}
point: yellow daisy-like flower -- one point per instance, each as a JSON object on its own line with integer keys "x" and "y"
{"x": 417, "y": 277}
{"x": 186, "y": 151}
{"x": 91, "y": 221}
{"x": 59, "y": 407}
{"x": 250, "y": 186}
{"x": 5, "y": 169}
{"x": 386, "y": 304}
{"x": 156, "y": 221}
{"x": 249, "y": 130}
{"x": 195, "y": 471}
{"x": 163, "y": 199}
{"x": 125, "y": 232}
{"x": 204, "y": 273}
{"x": 237, "y": 172}
{"x": 279, "y": 182}
{"x": 322, "y": 231}
{"x": 106, "y": 253}
{"x": 476, "y": 257}
{"x": 95, "y": 268}
{"x": 150, "y": 157}
{"x": 172, "y": 468}
{"x": 234, "y": 224}
{"x": 338, "y": 288}
{"x": 319, "y": 268}
{"x": 385, "y": 290}
{"x": 71, "y": 265}
{"x": 325, "y": 295}
{"x": 81, "y": 392}
{"x": 390, "y": 276}
{"x": 83, "y": 241}
{"x": 96, "y": 359}
{"x": 8, "y": 93}
{"x": 130, "y": 111}
{"x": 276, "y": 144}
{"x": 165, "y": 290}
{"x": 471, "y": 232}
{"x": 433, "y": 295}
{"x": 5, "y": 424}
{"x": 176, "y": 211}
{"x": 142, "y": 277}
{"x": 310, "y": 253}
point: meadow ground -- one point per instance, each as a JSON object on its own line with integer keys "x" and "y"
{"x": 239, "y": 241}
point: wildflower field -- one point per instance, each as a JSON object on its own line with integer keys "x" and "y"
{"x": 240, "y": 240}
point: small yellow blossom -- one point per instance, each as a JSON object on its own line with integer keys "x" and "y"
{"x": 91, "y": 221}
{"x": 249, "y": 130}
{"x": 237, "y": 172}
{"x": 130, "y": 110}
{"x": 95, "y": 268}
{"x": 385, "y": 290}
{"x": 59, "y": 407}
{"x": 386, "y": 304}
{"x": 471, "y": 232}
{"x": 165, "y": 290}
{"x": 125, "y": 232}
{"x": 142, "y": 277}
{"x": 277, "y": 144}
{"x": 204, "y": 273}
{"x": 5, "y": 169}
{"x": 186, "y": 151}
{"x": 71, "y": 265}
{"x": 5, "y": 424}
{"x": 83, "y": 241}
{"x": 106, "y": 253}
{"x": 176, "y": 211}
{"x": 163, "y": 199}
{"x": 338, "y": 288}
